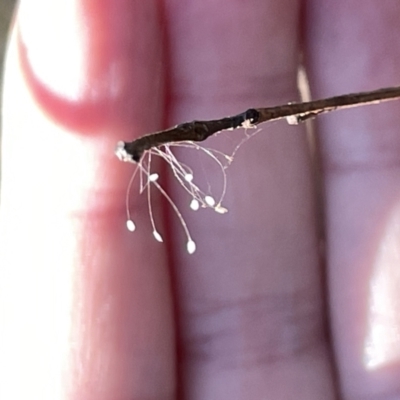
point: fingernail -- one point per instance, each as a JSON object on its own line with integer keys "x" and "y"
{"x": 382, "y": 343}
{"x": 55, "y": 38}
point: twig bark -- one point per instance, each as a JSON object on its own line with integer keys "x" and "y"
{"x": 197, "y": 131}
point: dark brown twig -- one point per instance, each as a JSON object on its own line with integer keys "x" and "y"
{"x": 197, "y": 131}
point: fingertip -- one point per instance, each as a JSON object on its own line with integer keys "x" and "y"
{"x": 83, "y": 60}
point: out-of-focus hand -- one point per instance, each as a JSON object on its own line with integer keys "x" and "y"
{"x": 91, "y": 311}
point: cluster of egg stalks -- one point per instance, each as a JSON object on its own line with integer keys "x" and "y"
{"x": 197, "y": 201}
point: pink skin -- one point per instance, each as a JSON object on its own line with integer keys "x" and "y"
{"x": 93, "y": 311}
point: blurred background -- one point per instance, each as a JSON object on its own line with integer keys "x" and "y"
{"x": 6, "y": 11}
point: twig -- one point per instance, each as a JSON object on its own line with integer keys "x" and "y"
{"x": 197, "y": 131}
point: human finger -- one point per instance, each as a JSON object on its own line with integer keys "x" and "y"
{"x": 354, "y": 46}
{"x": 87, "y": 306}
{"x": 250, "y": 302}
